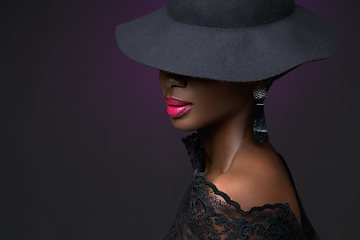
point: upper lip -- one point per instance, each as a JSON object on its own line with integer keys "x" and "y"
{"x": 175, "y": 102}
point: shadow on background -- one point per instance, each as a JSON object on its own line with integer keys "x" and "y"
{"x": 88, "y": 149}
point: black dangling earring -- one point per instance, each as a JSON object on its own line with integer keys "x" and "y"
{"x": 260, "y": 131}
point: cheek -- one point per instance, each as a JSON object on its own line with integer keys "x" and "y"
{"x": 215, "y": 106}
{"x": 222, "y": 99}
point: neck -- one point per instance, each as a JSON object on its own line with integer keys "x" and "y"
{"x": 224, "y": 140}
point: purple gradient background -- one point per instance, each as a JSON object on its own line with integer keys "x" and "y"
{"x": 88, "y": 149}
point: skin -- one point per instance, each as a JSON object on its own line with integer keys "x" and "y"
{"x": 251, "y": 173}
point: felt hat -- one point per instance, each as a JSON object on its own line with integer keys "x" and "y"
{"x": 228, "y": 40}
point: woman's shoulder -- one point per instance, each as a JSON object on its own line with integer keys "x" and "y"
{"x": 257, "y": 180}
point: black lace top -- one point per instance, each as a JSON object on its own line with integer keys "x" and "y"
{"x": 207, "y": 213}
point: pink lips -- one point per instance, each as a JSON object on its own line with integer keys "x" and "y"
{"x": 176, "y": 108}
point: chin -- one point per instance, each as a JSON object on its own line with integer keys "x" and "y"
{"x": 184, "y": 124}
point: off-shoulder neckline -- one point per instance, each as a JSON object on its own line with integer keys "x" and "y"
{"x": 237, "y": 205}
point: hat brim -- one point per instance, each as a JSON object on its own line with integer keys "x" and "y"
{"x": 228, "y": 54}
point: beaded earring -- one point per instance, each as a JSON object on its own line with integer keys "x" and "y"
{"x": 259, "y": 94}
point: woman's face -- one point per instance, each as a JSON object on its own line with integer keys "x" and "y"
{"x": 194, "y": 103}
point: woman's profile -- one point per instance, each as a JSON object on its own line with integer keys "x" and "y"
{"x": 217, "y": 59}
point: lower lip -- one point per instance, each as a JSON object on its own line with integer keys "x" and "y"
{"x": 178, "y": 111}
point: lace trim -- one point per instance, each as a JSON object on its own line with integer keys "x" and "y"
{"x": 195, "y": 151}
{"x": 236, "y": 204}
{"x": 213, "y": 215}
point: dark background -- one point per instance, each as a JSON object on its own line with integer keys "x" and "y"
{"x": 88, "y": 151}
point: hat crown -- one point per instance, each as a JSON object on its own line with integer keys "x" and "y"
{"x": 229, "y": 13}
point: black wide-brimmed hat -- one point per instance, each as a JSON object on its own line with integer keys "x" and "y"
{"x": 228, "y": 40}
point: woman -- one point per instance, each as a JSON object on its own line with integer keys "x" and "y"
{"x": 217, "y": 59}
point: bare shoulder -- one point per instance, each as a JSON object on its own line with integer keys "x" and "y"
{"x": 257, "y": 181}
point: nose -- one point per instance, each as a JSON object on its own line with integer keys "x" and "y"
{"x": 171, "y": 80}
